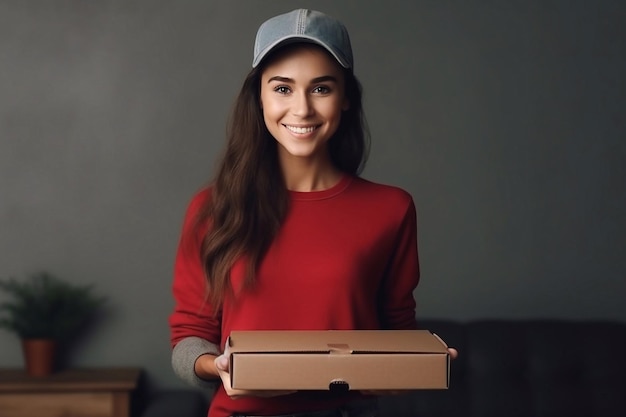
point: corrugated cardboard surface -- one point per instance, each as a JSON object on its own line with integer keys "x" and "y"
{"x": 349, "y": 359}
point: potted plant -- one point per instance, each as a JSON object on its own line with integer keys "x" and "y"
{"x": 44, "y": 311}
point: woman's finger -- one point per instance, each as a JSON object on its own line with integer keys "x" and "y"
{"x": 453, "y": 353}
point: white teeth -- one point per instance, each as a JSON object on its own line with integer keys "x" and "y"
{"x": 301, "y": 130}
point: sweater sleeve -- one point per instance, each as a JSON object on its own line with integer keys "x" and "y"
{"x": 193, "y": 316}
{"x": 184, "y": 356}
{"x": 398, "y": 302}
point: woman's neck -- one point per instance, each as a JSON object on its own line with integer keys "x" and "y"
{"x": 310, "y": 177}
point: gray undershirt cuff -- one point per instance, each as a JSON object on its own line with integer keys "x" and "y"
{"x": 184, "y": 356}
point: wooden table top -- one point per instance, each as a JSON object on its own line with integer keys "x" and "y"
{"x": 83, "y": 379}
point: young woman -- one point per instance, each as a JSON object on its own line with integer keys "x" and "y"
{"x": 288, "y": 236}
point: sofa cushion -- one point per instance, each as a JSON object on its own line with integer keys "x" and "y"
{"x": 176, "y": 403}
{"x": 525, "y": 368}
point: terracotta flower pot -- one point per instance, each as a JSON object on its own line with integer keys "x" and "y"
{"x": 39, "y": 356}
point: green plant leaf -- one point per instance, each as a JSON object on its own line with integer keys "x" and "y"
{"x": 45, "y": 306}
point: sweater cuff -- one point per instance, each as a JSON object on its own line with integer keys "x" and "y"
{"x": 184, "y": 356}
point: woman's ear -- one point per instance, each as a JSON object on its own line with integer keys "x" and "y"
{"x": 346, "y": 104}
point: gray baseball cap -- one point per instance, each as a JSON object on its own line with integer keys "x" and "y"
{"x": 303, "y": 25}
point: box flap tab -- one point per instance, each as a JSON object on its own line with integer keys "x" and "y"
{"x": 339, "y": 349}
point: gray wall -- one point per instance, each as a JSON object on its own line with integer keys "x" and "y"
{"x": 505, "y": 121}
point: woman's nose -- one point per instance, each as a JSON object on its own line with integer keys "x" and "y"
{"x": 302, "y": 106}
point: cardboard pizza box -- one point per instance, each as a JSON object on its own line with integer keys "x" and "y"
{"x": 338, "y": 360}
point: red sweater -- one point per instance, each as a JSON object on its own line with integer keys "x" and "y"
{"x": 345, "y": 258}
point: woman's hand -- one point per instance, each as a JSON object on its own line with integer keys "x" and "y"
{"x": 222, "y": 364}
{"x": 453, "y": 355}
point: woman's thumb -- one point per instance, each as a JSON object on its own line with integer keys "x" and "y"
{"x": 222, "y": 361}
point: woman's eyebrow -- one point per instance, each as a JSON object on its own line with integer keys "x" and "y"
{"x": 280, "y": 79}
{"x": 323, "y": 78}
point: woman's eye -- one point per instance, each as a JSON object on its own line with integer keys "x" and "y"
{"x": 282, "y": 89}
{"x": 321, "y": 89}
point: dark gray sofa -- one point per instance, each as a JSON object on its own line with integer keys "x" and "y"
{"x": 506, "y": 368}
{"x": 173, "y": 403}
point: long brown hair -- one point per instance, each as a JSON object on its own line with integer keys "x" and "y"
{"x": 249, "y": 199}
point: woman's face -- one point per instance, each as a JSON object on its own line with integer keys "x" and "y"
{"x": 302, "y": 97}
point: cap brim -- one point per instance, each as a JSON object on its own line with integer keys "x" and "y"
{"x": 279, "y": 43}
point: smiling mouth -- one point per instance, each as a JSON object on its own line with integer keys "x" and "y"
{"x": 301, "y": 129}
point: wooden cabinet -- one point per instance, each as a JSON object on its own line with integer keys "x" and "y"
{"x": 102, "y": 392}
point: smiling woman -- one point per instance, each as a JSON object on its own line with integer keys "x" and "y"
{"x": 288, "y": 236}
